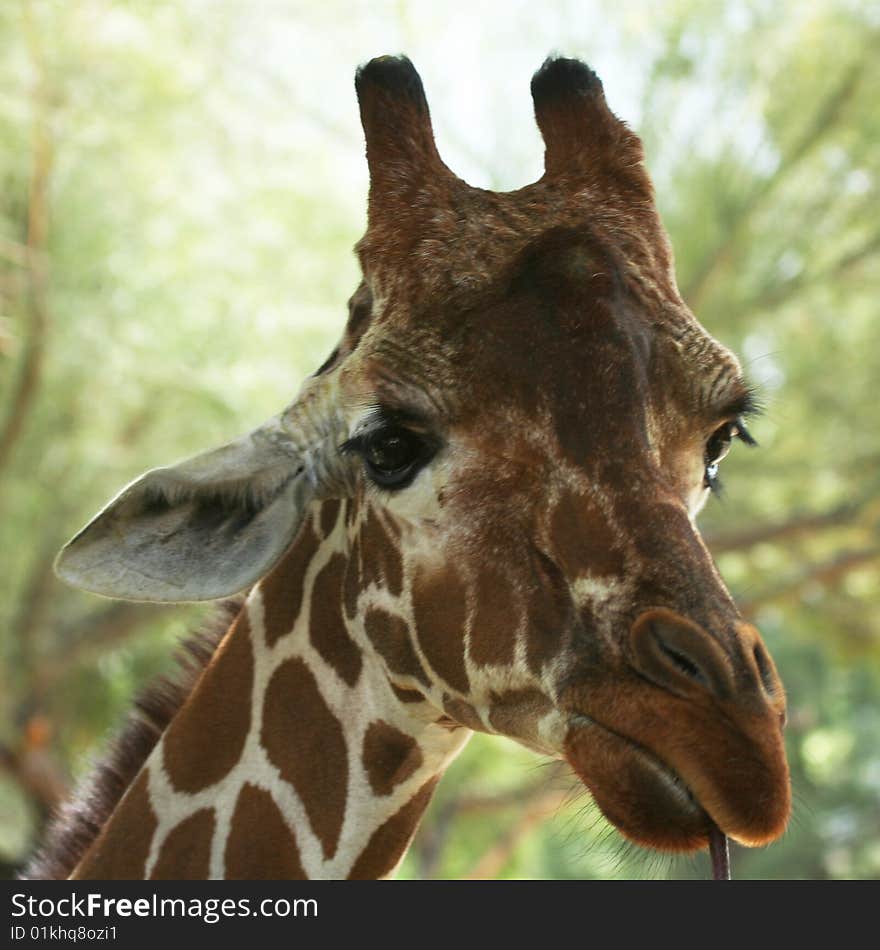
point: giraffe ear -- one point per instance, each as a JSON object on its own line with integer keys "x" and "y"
{"x": 208, "y": 527}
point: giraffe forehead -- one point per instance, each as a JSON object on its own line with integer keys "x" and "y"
{"x": 517, "y": 368}
{"x": 459, "y": 239}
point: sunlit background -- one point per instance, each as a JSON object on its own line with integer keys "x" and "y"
{"x": 181, "y": 184}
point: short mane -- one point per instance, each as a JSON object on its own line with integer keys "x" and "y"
{"x": 79, "y": 820}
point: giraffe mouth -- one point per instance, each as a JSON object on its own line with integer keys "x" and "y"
{"x": 642, "y": 796}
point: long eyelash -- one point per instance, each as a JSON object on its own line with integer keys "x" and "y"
{"x": 751, "y": 404}
{"x": 377, "y": 418}
{"x": 354, "y": 444}
{"x": 714, "y": 484}
{"x": 743, "y": 434}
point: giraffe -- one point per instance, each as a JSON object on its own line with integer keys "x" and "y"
{"x": 477, "y": 515}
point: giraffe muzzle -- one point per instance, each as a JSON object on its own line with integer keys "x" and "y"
{"x": 680, "y": 656}
{"x": 686, "y": 736}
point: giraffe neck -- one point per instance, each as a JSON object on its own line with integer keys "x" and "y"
{"x": 298, "y": 754}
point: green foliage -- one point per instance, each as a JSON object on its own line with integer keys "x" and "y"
{"x": 179, "y": 195}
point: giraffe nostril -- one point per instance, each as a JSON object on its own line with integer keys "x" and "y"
{"x": 682, "y": 662}
{"x": 679, "y": 655}
{"x": 765, "y": 670}
{"x": 769, "y": 681}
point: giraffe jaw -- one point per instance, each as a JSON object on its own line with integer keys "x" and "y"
{"x": 652, "y": 803}
{"x": 646, "y": 800}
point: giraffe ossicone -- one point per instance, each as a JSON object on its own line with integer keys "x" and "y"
{"x": 477, "y": 515}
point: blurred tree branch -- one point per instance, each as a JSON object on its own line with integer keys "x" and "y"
{"x": 829, "y": 114}
{"x": 830, "y": 571}
{"x": 740, "y": 539}
{"x": 783, "y": 291}
{"x": 88, "y": 637}
{"x": 34, "y": 767}
{"x": 37, "y": 228}
{"x": 35, "y": 599}
{"x": 538, "y": 799}
{"x": 537, "y": 808}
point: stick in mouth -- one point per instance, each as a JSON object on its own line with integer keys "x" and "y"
{"x": 720, "y": 854}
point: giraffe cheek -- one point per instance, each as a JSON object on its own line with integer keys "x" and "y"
{"x": 584, "y": 539}
{"x": 496, "y": 620}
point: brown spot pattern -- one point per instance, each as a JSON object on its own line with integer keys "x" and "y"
{"x": 261, "y": 846}
{"x": 389, "y": 635}
{"x": 125, "y": 857}
{"x": 583, "y": 539}
{"x": 549, "y": 613}
{"x": 382, "y": 563}
{"x": 283, "y": 587}
{"x": 389, "y": 841}
{"x": 327, "y": 629}
{"x": 390, "y": 756}
{"x": 186, "y": 852}
{"x": 305, "y": 742}
{"x": 493, "y": 632}
{"x": 219, "y": 708}
{"x": 439, "y": 608}
{"x": 374, "y": 559}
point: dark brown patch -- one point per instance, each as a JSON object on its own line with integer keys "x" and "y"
{"x": 439, "y": 608}
{"x": 389, "y": 756}
{"x": 389, "y": 635}
{"x": 283, "y": 588}
{"x": 125, "y": 857}
{"x": 329, "y": 516}
{"x": 305, "y": 742}
{"x": 583, "y": 540}
{"x": 205, "y": 740}
{"x": 407, "y": 695}
{"x": 327, "y": 629}
{"x": 493, "y": 632}
{"x": 351, "y": 512}
{"x": 88, "y": 812}
{"x": 463, "y": 713}
{"x": 261, "y": 846}
{"x": 516, "y": 712}
{"x": 382, "y": 563}
{"x": 549, "y": 613}
{"x": 186, "y": 852}
{"x": 389, "y": 842}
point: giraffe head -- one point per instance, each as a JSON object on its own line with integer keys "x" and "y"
{"x": 522, "y": 421}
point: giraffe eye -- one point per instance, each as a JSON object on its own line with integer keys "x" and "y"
{"x": 393, "y": 456}
{"x": 717, "y": 447}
